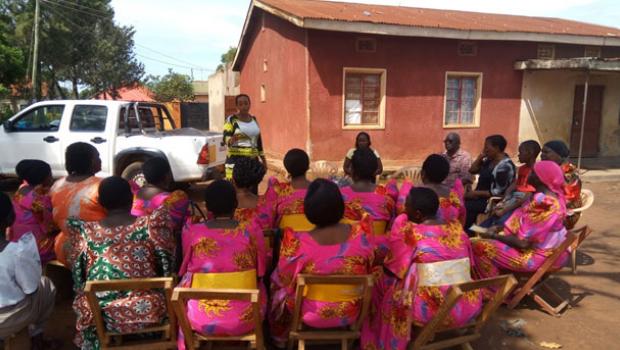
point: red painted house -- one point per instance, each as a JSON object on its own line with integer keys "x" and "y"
{"x": 319, "y": 72}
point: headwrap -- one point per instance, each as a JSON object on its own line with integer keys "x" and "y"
{"x": 551, "y": 175}
{"x": 558, "y": 147}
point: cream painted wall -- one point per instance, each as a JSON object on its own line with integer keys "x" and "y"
{"x": 547, "y": 107}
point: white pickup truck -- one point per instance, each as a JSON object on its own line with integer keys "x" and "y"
{"x": 125, "y": 133}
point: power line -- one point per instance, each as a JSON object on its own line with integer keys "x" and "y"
{"x": 74, "y": 4}
{"x": 172, "y": 64}
{"x": 50, "y": 2}
{"x": 171, "y": 57}
{"x": 66, "y": 19}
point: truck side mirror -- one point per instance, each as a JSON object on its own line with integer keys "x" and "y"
{"x": 8, "y": 127}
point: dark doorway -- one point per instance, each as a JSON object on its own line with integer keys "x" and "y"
{"x": 592, "y": 129}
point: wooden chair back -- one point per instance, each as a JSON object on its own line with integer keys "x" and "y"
{"x": 531, "y": 283}
{"x": 331, "y": 335}
{"x": 169, "y": 330}
{"x": 469, "y": 332}
{"x": 180, "y": 296}
{"x": 582, "y": 233}
{"x": 323, "y": 169}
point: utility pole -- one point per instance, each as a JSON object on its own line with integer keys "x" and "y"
{"x": 35, "y": 56}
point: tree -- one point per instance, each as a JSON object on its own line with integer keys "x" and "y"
{"x": 227, "y": 58}
{"x": 12, "y": 62}
{"x": 171, "y": 87}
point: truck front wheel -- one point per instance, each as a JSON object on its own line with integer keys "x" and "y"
{"x": 133, "y": 172}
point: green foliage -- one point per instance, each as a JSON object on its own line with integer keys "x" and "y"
{"x": 171, "y": 87}
{"x": 227, "y": 58}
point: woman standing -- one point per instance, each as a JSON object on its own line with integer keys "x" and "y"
{"x": 242, "y": 135}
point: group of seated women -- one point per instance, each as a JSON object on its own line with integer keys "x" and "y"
{"x": 403, "y": 235}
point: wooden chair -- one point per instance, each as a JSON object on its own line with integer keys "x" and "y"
{"x": 193, "y": 340}
{"x": 468, "y": 332}
{"x": 587, "y": 200}
{"x": 531, "y": 284}
{"x": 168, "y": 339}
{"x": 324, "y": 169}
{"x": 343, "y": 336}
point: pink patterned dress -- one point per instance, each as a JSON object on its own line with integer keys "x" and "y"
{"x": 33, "y": 213}
{"x": 539, "y": 222}
{"x": 287, "y": 201}
{"x": 450, "y": 208}
{"x": 225, "y": 258}
{"x": 177, "y": 204}
{"x": 380, "y": 204}
{"x": 403, "y": 296}
{"x": 300, "y": 253}
{"x": 140, "y": 250}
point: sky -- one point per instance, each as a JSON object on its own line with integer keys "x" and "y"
{"x": 189, "y": 36}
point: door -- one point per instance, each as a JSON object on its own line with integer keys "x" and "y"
{"x": 93, "y": 124}
{"x": 592, "y": 126}
{"x": 34, "y": 134}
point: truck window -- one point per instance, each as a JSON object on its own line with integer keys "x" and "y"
{"x": 44, "y": 118}
{"x": 88, "y": 118}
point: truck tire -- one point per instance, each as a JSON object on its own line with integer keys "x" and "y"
{"x": 133, "y": 172}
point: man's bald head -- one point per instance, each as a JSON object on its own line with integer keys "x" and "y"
{"x": 452, "y": 142}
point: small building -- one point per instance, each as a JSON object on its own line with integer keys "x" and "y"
{"x": 319, "y": 72}
{"x": 201, "y": 91}
{"x": 223, "y": 87}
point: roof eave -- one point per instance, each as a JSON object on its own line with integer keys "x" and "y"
{"x": 582, "y": 63}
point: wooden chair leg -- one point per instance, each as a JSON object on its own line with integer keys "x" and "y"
{"x": 560, "y": 302}
{"x": 344, "y": 344}
{"x": 574, "y": 261}
{"x": 467, "y": 346}
{"x": 301, "y": 345}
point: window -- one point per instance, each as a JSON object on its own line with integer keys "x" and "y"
{"x": 462, "y": 99}
{"x": 546, "y": 51}
{"x": 45, "y": 118}
{"x": 592, "y": 51}
{"x": 467, "y": 48}
{"x": 364, "y": 98}
{"x": 88, "y": 118}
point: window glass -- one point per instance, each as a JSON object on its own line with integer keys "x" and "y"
{"x": 362, "y": 98}
{"x": 45, "y": 118}
{"x": 88, "y": 118}
{"x": 461, "y": 100}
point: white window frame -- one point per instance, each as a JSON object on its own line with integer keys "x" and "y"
{"x": 383, "y": 72}
{"x": 542, "y": 47}
{"x": 478, "y": 108}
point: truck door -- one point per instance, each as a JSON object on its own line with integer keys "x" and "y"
{"x": 34, "y": 134}
{"x": 93, "y": 124}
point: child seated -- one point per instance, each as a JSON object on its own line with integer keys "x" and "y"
{"x": 519, "y": 191}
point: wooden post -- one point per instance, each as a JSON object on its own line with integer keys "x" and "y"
{"x": 583, "y": 118}
{"x": 35, "y": 56}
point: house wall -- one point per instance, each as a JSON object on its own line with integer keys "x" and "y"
{"x": 280, "y": 48}
{"x": 547, "y": 107}
{"x": 221, "y": 84}
{"x": 416, "y": 71}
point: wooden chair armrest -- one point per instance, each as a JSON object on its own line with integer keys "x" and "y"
{"x": 334, "y": 279}
{"x": 129, "y": 284}
{"x": 182, "y": 294}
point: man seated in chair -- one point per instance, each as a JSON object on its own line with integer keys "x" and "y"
{"x": 26, "y": 298}
{"x": 331, "y": 248}
{"x": 527, "y": 238}
{"x": 426, "y": 256}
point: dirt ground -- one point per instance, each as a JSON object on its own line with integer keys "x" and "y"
{"x": 591, "y": 322}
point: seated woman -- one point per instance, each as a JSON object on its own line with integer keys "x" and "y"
{"x": 362, "y": 141}
{"x": 496, "y": 173}
{"x": 76, "y": 195}
{"x": 222, "y": 253}
{"x": 557, "y": 151}
{"x": 120, "y": 246}
{"x": 423, "y": 249}
{"x": 33, "y": 206}
{"x": 332, "y": 248}
{"x": 366, "y": 196}
{"x": 435, "y": 169}
{"x": 288, "y": 197}
{"x": 248, "y": 173}
{"x": 531, "y": 232}
{"x": 156, "y": 193}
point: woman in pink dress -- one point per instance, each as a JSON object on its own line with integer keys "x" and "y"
{"x": 248, "y": 173}
{"x": 222, "y": 253}
{"x": 435, "y": 170}
{"x": 33, "y": 207}
{"x": 532, "y": 232}
{"x": 426, "y": 256}
{"x": 376, "y": 200}
{"x": 156, "y": 194}
{"x": 289, "y": 196}
{"x": 331, "y": 248}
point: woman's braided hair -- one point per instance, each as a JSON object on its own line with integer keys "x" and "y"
{"x": 248, "y": 172}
